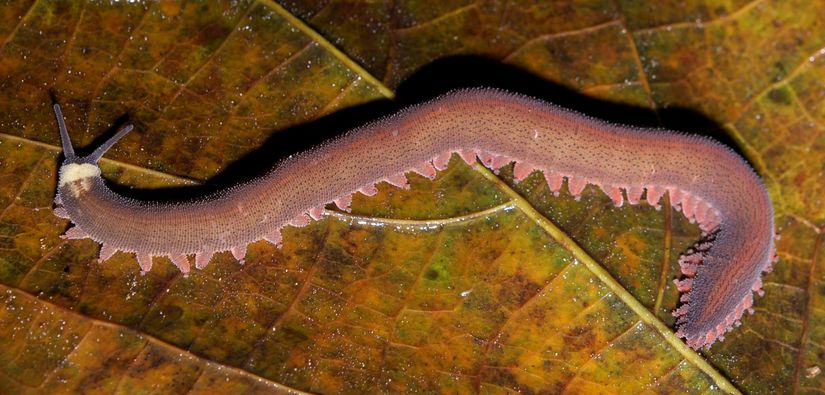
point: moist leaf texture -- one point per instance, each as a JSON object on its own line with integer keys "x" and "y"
{"x": 470, "y": 282}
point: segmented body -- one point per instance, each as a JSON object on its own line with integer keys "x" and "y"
{"x": 706, "y": 181}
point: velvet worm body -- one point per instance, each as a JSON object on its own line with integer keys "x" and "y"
{"x": 708, "y": 182}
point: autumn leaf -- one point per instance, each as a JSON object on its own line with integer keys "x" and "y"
{"x": 472, "y": 282}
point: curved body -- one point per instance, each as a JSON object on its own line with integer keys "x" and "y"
{"x": 706, "y": 181}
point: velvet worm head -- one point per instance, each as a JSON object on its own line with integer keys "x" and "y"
{"x": 706, "y": 181}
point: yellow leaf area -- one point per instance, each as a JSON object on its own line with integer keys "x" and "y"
{"x": 469, "y": 283}
{"x": 84, "y": 355}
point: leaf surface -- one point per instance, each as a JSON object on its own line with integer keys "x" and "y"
{"x": 471, "y": 282}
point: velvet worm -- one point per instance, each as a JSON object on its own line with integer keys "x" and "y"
{"x": 706, "y": 181}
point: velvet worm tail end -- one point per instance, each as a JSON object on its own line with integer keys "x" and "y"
{"x": 710, "y": 184}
